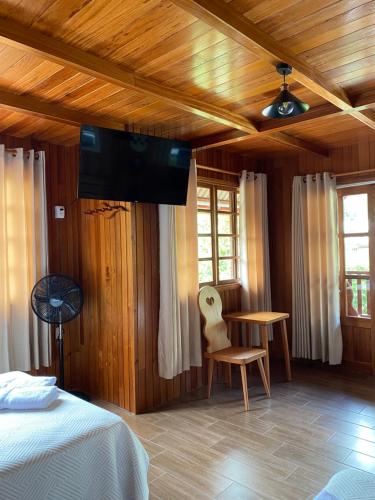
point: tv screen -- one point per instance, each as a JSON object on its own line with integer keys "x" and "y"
{"x": 124, "y": 166}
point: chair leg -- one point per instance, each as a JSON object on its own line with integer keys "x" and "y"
{"x": 210, "y": 375}
{"x": 229, "y": 371}
{"x": 284, "y": 335}
{"x": 264, "y": 378}
{"x": 244, "y": 387}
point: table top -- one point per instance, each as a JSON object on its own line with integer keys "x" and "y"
{"x": 259, "y": 318}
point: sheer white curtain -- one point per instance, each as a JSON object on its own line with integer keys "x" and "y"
{"x": 315, "y": 268}
{"x": 24, "y": 340}
{"x": 254, "y": 247}
{"x": 179, "y": 340}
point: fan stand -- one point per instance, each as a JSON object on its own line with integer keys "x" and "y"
{"x": 60, "y": 345}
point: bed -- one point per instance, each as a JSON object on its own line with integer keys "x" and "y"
{"x": 72, "y": 450}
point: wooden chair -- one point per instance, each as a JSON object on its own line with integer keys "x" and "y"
{"x": 219, "y": 346}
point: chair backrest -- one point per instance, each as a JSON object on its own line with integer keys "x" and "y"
{"x": 215, "y": 329}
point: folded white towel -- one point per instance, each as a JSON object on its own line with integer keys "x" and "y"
{"x": 21, "y": 379}
{"x": 27, "y": 398}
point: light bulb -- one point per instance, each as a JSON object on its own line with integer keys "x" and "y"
{"x": 285, "y": 108}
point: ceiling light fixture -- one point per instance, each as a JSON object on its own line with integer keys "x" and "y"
{"x": 285, "y": 104}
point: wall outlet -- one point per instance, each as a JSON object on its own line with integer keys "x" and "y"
{"x": 59, "y": 212}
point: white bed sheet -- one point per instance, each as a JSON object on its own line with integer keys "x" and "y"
{"x": 71, "y": 451}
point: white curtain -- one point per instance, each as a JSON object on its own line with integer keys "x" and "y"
{"x": 179, "y": 340}
{"x": 24, "y": 340}
{"x": 254, "y": 248}
{"x": 315, "y": 269}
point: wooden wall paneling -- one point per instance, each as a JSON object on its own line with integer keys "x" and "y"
{"x": 280, "y": 172}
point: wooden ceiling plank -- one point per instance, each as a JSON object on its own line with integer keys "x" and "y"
{"x": 32, "y": 106}
{"x": 237, "y": 27}
{"x": 54, "y": 50}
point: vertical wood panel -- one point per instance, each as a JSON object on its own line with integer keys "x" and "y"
{"x": 280, "y": 172}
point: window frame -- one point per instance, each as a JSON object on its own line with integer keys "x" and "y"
{"x": 357, "y": 321}
{"x": 214, "y": 213}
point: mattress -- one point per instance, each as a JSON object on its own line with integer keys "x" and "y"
{"x": 71, "y": 451}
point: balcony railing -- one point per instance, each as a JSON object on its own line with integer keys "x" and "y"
{"x": 358, "y": 303}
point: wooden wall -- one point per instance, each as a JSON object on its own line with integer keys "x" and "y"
{"x": 151, "y": 390}
{"x": 97, "y": 252}
{"x": 280, "y": 172}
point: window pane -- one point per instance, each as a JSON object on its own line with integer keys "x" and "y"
{"x": 238, "y": 202}
{"x": 357, "y": 297}
{"x": 205, "y": 271}
{"x": 226, "y": 270}
{"x": 356, "y": 254}
{"x": 355, "y": 213}
{"x": 204, "y": 247}
{"x": 204, "y": 223}
{"x": 224, "y": 200}
{"x": 203, "y": 198}
{"x": 225, "y": 246}
{"x": 224, "y": 224}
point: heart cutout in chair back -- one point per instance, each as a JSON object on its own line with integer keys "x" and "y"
{"x": 210, "y": 301}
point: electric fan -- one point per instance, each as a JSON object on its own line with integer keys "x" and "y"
{"x": 56, "y": 299}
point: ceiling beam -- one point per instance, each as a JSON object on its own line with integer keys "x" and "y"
{"x": 364, "y": 103}
{"x": 266, "y": 128}
{"x": 222, "y": 17}
{"x": 54, "y": 50}
{"x": 36, "y": 107}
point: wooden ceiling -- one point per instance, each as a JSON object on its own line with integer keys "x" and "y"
{"x": 193, "y": 69}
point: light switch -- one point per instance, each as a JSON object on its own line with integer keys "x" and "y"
{"x": 59, "y": 212}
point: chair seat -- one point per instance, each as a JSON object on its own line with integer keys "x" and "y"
{"x": 237, "y": 355}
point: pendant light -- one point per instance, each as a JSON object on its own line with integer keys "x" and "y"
{"x": 285, "y": 104}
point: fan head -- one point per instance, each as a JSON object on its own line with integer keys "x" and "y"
{"x": 56, "y": 298}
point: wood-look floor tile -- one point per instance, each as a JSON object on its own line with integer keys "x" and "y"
{"x": 189, "y": 449}
{"x": 369, "y": 411}
{"x": 202, "y": 478}
{"x": 308, "y": 479}
{"x": 193, "y": 432}
{"x": 346, "y": 416}
{"x": 260, "y": 482}
{"x": 189, "y": 416}
{"x": 254, "y": 440}
{"x": 346, "y": 427}
{"x": 311, "y": 442}
{"x": 265, "y": 462}
{"x": 154, "y": 472}
{"x": 354, "y": 443}
{"x": 238, "y": 492}
{"x": 308, "y": 459}
{"x": 151, "y": 448}
{"x": 167, "y": 487}
{"x": 361, "y": 461}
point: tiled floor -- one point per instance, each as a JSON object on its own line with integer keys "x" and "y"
{"x": 286, "y": 447}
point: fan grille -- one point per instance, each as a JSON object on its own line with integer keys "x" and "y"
{"x": 57, "y": 298}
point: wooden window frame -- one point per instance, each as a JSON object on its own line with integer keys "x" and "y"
{"x": 360, "y": 321}
{"x": 214, "y": 186}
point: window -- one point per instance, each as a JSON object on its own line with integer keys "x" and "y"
{"x": 355, "y": 240}
{"x": 218, "y": 228}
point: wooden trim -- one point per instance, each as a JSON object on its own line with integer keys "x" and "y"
{"x": 36, "y": 107}
{"x": 220, "y": 170}
{"x": 52, "y": 49}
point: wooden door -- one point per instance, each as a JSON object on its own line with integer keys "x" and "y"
{"x": 357, "y": 275}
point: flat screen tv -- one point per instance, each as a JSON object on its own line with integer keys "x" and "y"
{"x": 124, "y": 166}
